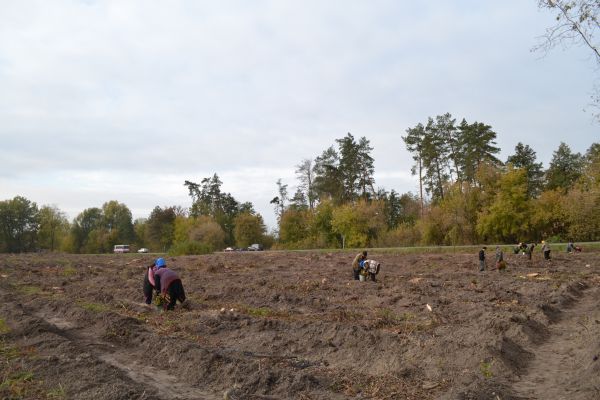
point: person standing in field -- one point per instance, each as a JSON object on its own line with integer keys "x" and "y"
{"x": 168, "y": 284}
{"x": 530, "y": 250}
{"x": 546, "y": 250}
{"x": 570, "y": 247}
{"x": 356, "y": 264}
{"x": 482, "y": 259}
{"x": 500, "y": 263}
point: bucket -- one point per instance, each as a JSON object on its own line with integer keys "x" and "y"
{"x": 362, "y": 278}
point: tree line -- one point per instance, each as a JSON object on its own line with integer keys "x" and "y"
{"x": 467, "y": 195}
{"x": 215, "y": 220}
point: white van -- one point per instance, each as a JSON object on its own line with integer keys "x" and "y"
{"x": 121, "y": 248}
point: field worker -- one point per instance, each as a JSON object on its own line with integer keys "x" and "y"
{"x": 149, "y": 283}
{"x": 570, "y": 247}
{"x": 546, "y": 250}
{"x": 356, "y": 264}
{"x": 372, "y": 268}
{"x": 500, "y": 263}
{"x": 530, "y": 250}
{"x": 482, "y": 258}
{"x": 167, "y": 284}
{"x": 520, "y": 248}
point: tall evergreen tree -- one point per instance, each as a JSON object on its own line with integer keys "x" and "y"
{"x": 366, "y": 169}
{"x": 525, "y": 158}
{"x": 280, "y": 201}
{"x": 328, "y": 180}
{"x": 565, "y": 168}
{"x": 306, "y": 177}
{"x": 414, "y": 144}
{"x": 435, "y": 160}
{"x": 476, "y": 145}
{"x": 349, "y": 167}
{"x": 444, "y": 127}
{"x": 209, "y": 200}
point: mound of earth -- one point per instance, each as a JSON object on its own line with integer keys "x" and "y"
{"x": 294, "y": 325}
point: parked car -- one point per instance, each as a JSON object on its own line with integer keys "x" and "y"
{"x": 229, "y": 249}
{"x": 143, "y": 250}
{"x": 121, "y": 248}
{"x": 255, "y": 247}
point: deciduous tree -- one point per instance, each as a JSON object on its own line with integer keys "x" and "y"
{"x": 507, "y": 219}
{"x": 160, "y": 228}
{"x": 86, "y": 222}
{"x": 249, "y": 229}
{"x": 54, "y": 228}
{"x": 117, "y": 220}
{"x": 19, "y": 223}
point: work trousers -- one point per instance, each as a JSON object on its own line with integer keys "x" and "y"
{"x": 147, "y": 289}
{"x": 176, "y": 292}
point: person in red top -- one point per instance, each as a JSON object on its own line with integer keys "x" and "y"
{"x": 166, "y": 283}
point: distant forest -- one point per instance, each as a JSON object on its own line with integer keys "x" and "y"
{"x": 466, "y": 196}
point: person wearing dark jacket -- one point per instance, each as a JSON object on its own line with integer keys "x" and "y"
{"x": 482, "y": 258}
{"x": 530, "y": 250}
{"x": 356, "y": 264}
{"x": 168, "y": 284}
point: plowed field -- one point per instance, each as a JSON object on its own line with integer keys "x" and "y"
{"x": 294, "y": 325}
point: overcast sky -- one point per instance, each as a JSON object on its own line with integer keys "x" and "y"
{"x": 125, "y": 100}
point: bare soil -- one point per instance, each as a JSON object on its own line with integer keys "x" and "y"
{"x": 294, "y": 325}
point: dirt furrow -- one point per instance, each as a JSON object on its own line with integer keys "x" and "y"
{"x": 131, "y": 362}
{"x": 566, "y": 365}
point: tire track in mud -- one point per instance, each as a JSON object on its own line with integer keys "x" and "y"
{"x": 566, "y": 365}
{"x": 131, "y": 363}
{"x": 167, "y": 385}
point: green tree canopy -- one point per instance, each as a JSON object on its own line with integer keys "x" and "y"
{"x": 565, "y": 169}
{"x": 525, "y": 158}
{"x": 507, "y": 219}
{"x": 160, "y": 228}
{"x": 84, "y": 224}
{"x": 209, "y": 200}
{"x": 19, "y": 223}
{"x": 249, "y": 229}
{"x": 54, "y": 228}
{"x": 117, "y": 219}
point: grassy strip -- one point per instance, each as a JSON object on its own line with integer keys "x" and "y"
{"x": 93, "y": 307}
{"x": 507, "y": 248}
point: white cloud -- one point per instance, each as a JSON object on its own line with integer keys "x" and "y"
{"x": 155, "y": 93}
